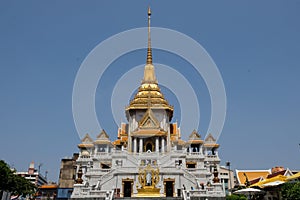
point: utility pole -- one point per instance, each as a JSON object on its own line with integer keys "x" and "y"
{"x": 46, "y": 173}
{"x": 39, "y": 167}
{"x": 229, "y": 174}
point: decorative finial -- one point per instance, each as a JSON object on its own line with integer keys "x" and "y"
{"x": 149, "y": 52}
{"x": 149, "y": 73}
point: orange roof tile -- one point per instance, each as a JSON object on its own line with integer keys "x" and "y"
{"x": 52, "y": 186}
{"x": 117, "y": 142}
{"x": 124, "y": 139}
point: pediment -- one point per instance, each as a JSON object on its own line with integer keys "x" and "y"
{"x": 149, "y": 120}
{"x": 87, "y": 139}
{"x": 195, "y": 135}
{"x": 210, "y": 139}
{"x": 103, "y": 135}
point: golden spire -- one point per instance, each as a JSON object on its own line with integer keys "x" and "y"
{"x": 149, "y": 95}
{"x": 149, "y": 72}
{"x": 149, "y": 52}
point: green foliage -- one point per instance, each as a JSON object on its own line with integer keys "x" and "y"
{"x": 236, "y": 197}
{"x": 13, "y": 183}
{"x": 291, "y": 191}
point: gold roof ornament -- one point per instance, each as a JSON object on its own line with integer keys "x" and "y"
{"x": 149, "y": 91}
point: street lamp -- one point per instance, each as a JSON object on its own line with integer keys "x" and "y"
{"x": 229, "y": 174}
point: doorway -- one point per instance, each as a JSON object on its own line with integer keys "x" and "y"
{"x": 149, "y": 146}
{"x": 169, "y": 187}
{"x": 127, "y": 188}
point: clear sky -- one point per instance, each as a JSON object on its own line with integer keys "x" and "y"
{"x": 255, "y": 44}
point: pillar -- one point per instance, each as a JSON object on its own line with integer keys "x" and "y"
{"x": 141, "y": 145}
{"x": 134, "y": 145}
{"x": 201, "y": 150}
{"x": 162, "y": 145}
{"x": 156, "y": 145}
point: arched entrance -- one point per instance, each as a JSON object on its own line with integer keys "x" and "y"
{"x": 149, "y": 146}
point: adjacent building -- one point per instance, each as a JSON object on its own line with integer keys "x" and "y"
{"x": 67, "y": 176}
{"x": 226, "y": 176}
{"x": 33, "y": 175}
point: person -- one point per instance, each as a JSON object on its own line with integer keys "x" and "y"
{"x": 202, "y": 186}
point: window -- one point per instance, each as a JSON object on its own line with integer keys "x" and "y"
{"x": 191, "y": 165}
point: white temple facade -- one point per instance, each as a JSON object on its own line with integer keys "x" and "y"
{"x": 149, "y": 158}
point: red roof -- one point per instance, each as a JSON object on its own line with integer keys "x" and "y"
{"x": 256, "y": 180}
{"x": 276, "y": 174}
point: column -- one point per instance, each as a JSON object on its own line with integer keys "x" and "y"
{"x": 162, "y": 145}
{"x": 134, "y": 145}
{"x": 107, "y": 148}
{"x": 156, "y": 145}
{"x": 141, "y": 145}
{"x": 201, "y": 150}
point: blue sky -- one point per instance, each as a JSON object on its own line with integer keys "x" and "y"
{"x": 256, "y": 46}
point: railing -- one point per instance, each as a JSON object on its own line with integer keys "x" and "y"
{"x": 179, "y": 151}
{"x": 107, "y": 176}
{"x": 111, "y": 195}
{"x": 195, "y": 153}
{"x": 165, "y": 160}
{"x": 132, "y": 159}
{"x": 100, "y": 172}
{"x": 184, "y": 194}
{"x": 211, "y": 156}
{"x": 102, "y": 154}
{"x": 188, "y": 176}
{"x": 206, "y": 192}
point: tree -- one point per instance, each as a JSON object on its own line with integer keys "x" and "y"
{"x": 236, "y": 197}
{"x": 291, "y": 191}
{"x": 10, "y": 182}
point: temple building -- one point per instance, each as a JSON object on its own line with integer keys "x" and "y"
{"x": 149, "y": 158}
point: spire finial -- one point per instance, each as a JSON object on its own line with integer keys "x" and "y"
{"x": 149, "y": 73}
{"x": 149, "y": 52}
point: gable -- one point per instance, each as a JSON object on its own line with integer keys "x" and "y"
{"x": 149, "y": 123}
{"x": 195, "y": 136}
{"x": 210, "y": 139}
{"x": 103, "y": 135}
{"x": 149, "y": 120}
{"x": 87, "y": 139}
